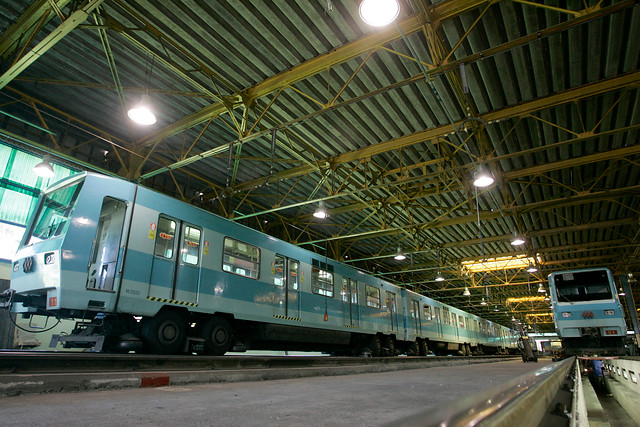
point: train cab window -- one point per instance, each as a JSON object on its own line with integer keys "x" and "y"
{"x": 165, "y": 238}
{"x": 373, "y": 296}
{"x": 54, "y": 212}
{"x": 427, "y": 312}
{"x": 191, "y": 245}
{"x": 321, "y": 282}
{"x": 241, "y": 258}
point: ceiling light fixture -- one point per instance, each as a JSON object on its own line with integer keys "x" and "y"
{"x": 379, "y": 12}
{"x": 541, "y": 289}
{"x": 482, "y": 178}
{"x": 400, "y": 256}
{"x": 321, "y": 212}
{"x": 466, "y": 292}
{"x": 439, "y": 277}
{"x": 532, "y": 269}
{"x": 483, "y": 302}
{"x": 621, "y": 293}
{"x": 44, "y": 168}
{"x": 517, "y": 240}
{"x": 141, "y": 113}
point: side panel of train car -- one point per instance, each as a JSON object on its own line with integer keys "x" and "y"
{"x": 147, "y": 271}
{"x": 587, "y": 312}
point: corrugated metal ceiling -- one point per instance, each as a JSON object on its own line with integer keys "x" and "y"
{"x": 544, "y": 93}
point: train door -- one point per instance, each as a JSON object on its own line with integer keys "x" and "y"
{"x": 415, "y": 317}
{"x": 454, "y": 322}
{"x": 105, "y": 252}
{"x": 350, "y": 307}
{"x": 438, "y": 321}
{"x": 185, "y": 286}
{"x": 393, "y": 310}
{"x": 175, "y": 273}
{"x": 286, "y": 275}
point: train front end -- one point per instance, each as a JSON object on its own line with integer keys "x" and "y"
{"x": 50, "y": 269}
{"x": 587, "y": 312}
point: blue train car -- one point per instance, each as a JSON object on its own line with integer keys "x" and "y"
{"x": 147, "y": 272}
{"x": 587, "y": 312}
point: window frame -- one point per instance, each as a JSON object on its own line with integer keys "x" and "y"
{"x": 173, "y": 238}
{"x": 367, "y": 295}
{"x": 318, "y": 286}
{"x": 184, "y": 243}
{"x": 225, "y": 253}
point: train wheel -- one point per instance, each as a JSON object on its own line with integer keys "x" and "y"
{"x": 424, "y": 348}
{"x": 218, "y": 336}
{"x": 375, "y": 344}
{"x": 389, "y": 346}
{"x": 164, "y": 333}
{"x": 414, "y": 348}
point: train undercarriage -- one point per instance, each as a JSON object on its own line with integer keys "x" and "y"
{"x": 180, "y": 331}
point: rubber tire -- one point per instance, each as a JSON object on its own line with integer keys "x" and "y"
{"x": 164, "y": 333}
{"x": 424, "y": 348}
{"x": 375, "y": 345}
{"x": 218, "y": 336}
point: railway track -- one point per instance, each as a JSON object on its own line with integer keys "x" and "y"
{"x": 553, "y": 394}
{"x": 44, "y": 372}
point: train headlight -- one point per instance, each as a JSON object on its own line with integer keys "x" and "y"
{"x": 49, "y": 258}
{"x": 566, "y": 314}
{"x": 609, "y": 312}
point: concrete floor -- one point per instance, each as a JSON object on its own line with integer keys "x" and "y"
{"x": 354, "y": 400}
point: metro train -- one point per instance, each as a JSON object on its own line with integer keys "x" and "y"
{"x": 587, "y": 313}
{"x": 146, "y": 272}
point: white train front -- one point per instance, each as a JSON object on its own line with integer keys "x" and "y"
{"x": 148, "y": 272}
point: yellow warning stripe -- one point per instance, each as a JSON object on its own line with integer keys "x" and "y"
{"x": 172, "y": 301}
{"x": 286, "y": 318}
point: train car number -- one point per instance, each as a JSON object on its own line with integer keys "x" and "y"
{"x": 611, "y": 332}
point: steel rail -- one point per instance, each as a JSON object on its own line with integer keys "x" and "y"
{"x": 522, "y": 402}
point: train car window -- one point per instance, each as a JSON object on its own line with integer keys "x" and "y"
{"x": 461, "y": 321}
{"x": 241, "y": 258}
{"x": 354, "y": 292}
{"x": 191, "y": 245}
{"x": 437, "y": 313}
{"x": 454, "y": 320}
{"x": 446, "y": 317}
{"x": 390, "y": 301}
{"x": 54, "y": 211}
{"x": 165, "y": 238}
{"x": 345, "y": 290}
{"x": 278, "y": 271}
{"x": 294, "y": 266}
{"x": 321, "y": 282}
{"x": 373, "y": 296}
{"x": 427, "y": 312}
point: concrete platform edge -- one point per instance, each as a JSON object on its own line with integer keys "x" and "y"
{"x": 19, "y": 384}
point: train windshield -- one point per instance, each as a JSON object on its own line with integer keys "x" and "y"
{"x": 53, "y": 213}
{"x": 583, "y": 286}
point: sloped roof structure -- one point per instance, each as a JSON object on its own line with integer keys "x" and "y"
{"x": 266, "y": 108}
